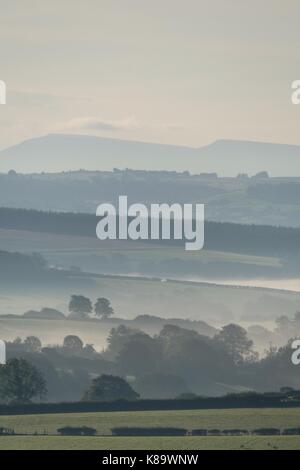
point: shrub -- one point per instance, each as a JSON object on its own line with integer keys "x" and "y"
{"x": 6, "y": 431}
{"x": 214, "y": 432}
{"x": 266, "y": 431}
{"x": 157, "y": 431}
{"x": 77, "y": 431}
{"x": 235, "y": 432}
{"x": 199, "y": 432}
{"x": 291, "y": 432}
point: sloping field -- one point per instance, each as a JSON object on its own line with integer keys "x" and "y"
{"x": 244, "y": 418}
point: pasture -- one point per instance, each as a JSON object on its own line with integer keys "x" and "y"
{"x": 103, "y": 422}
{"x": 152, "y": 443}
{"x": 243, "y": 418}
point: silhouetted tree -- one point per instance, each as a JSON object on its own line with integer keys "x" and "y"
{"x": 139, "y": 356}
{"x": 20, "y": 382}
{"x": 103, "y": 308}
{"x": 236, "y": 342}
{"x": 118, "y": 337}
{"x": 32, "y": 344}
{"x": 110, "y": 388}
{"x": 73, "y": 343}
{"x": 80, "y": 306}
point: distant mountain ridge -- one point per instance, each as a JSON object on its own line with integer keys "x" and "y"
{"x": 63, "y": 152}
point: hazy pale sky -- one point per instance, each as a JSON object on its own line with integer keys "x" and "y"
{"x": 170, "y": 71}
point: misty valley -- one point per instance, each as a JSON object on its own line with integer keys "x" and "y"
{"x": 145, "y": 322}
{"x": 76, "y": 308}
{"x": 149, "y": 229}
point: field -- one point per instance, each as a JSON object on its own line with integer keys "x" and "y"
{"x": 67, "y": 250}
{"x": 134, "y": 296}
{"x": 103, "y": 422}
{"x": 245, "y": 418}
{"x": 146, "y": 443}
{"x": 215, "y": 304}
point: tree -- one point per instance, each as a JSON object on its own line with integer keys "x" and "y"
{"x": 198, "y": 359}
{"x": 20, "y": 382}
{"x": 103, "y": 308}
{"x": 73, "y": 343}
{"x": 236, "y": 342}
{"x": 80, "y": 306}
{"x": 117, "y": 338}
{"x": 140, "y": 355}
{"x": 110, "y": 388}
{"x": 32, "y": 344}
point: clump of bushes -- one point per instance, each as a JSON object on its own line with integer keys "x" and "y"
{"x": 266, "y": 431}
{"x": 291, "y": 432}
{"x": 214, "y": 432}
{"x": 77, "y": 431}
{"x": 6, "y": 431}
{"x": 199, "y": 432}
{"x": 169, "y": 431}
{"x": 157, "y": 431}
{"x": 235, "y": 432}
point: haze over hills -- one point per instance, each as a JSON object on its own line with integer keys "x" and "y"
{"x": 60, "y": 152}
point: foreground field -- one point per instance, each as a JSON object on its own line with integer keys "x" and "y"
{"x": 246, "y": 418}
{"x": 146, "y": 443}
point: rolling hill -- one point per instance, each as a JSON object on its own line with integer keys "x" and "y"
{"x": 60, "y": 152}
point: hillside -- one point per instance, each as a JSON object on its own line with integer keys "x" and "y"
{"x": 63, "y": 152}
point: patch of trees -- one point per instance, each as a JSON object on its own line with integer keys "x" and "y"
{"x": 45, "y": 313}
{"x": 171, "y": 358}
{"x": 155, "y": 431}
{"x": 67, "y": 368}
{"x": 109, "y": 388}
{"x": 291, "y": 432}
{"x": 266, "y": 431}
{"x": 241, "y": 238}
{"x": 20, "y": 382}
{"x": 170, "y": 431}
{"x": 6, "y": 431}
{"x": 81, "y": 307}
{"x": 176, "y": 362}
{"x": 153, "y": 321}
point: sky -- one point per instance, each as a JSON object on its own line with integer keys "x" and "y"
{"x": 170, "y": 71}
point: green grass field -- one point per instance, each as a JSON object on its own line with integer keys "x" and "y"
{"x": 190, "y": 419}
{"x": 146, "y": 443}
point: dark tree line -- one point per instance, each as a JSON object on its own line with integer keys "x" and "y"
{"x": 241, "y": 238}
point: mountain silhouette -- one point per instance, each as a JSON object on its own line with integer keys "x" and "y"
{"x": 62, "y": 152}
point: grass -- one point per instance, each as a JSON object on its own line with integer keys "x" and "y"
{"x": 62, "y": 248}
{"x": 146, "y": 443}
{"x": 103, "y": 422}
{"x": 189, "y": 419}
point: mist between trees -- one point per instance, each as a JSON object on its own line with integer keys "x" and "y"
{"x": 176, "y": 362}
